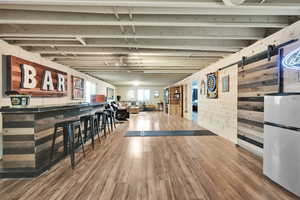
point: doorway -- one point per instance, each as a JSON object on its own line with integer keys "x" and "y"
{"x": 195, "y": 89}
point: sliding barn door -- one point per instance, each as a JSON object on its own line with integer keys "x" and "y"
{"x": 255, "y": 80}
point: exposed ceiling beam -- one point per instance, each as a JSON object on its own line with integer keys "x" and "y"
{"x": 212, "y": 45}
{"x": 187, "y": 71}
{"x": 73, "y": 31}
{"x": 136, "y": 63}
{"x": 141, "y": 3}
{"x": 152, "y": 71}
{"x": 118, "y": 3}
{"x": 170, "y": 71}
{"x": 38, "y": 38}
{"x": 135, "y": 68}
{"x": 113, "y": 51}
{"x": 132, "y": 58}
{"x": 133, "y": 73}
{"x": 156, "y": 54}
{"x": 272, "y": 8}
{"x": 179, "y": 50}
{"x": 62, "y": 18}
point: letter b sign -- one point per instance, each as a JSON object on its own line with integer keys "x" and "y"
{"x": 28, "y": 76}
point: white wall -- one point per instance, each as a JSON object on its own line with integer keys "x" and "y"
{"x": 217, "y": 115}
{"x": 6, "y": 49}
{"x": 220, "y": 115}
{"x": 123, "y": 90}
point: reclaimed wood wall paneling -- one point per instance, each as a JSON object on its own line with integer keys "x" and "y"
{"x": 255, "y": 80}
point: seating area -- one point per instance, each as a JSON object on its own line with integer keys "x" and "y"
{"x": 100, "y": 124}
{"x": 136, "y": 106}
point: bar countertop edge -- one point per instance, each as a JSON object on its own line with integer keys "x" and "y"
{"x": 48, "y": 108}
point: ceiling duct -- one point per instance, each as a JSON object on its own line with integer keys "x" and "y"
{"x": 233, "y": 2}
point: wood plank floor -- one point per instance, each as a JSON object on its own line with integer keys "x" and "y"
{"x": 153, "y": 168}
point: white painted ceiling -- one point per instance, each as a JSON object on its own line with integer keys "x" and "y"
{"x": 129, "y": 78}
{"x": 155, "y": 42}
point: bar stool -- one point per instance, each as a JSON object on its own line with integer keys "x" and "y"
{"x": 111, "y": 118}
{"x": 90, "y": 125}
{"x": 102, "y": 122}
{"x": 69, "y": 128}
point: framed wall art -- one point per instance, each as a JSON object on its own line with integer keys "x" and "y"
{"x": 77, "y": 88}
{"x": 110, "y": 94}
{"x": 203, "y": 87}
{"x": 225, "y": 83}
{"x": 212, "y": 85}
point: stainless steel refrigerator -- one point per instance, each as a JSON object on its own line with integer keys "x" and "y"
{"x": 282, "y": 140}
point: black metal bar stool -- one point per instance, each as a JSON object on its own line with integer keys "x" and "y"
{"x": 69, "y": 128}
{"x": 102, "y": 122}
{"x": 114, "y": 113}
{"x": 111, "y": 118}
{"x": 90, "y": 125}
{"x": 107, "y": 121}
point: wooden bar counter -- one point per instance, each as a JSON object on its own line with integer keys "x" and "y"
{"x": 27, "y": 136}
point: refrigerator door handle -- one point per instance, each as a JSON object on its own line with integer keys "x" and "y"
{"x": 282, "y": 126}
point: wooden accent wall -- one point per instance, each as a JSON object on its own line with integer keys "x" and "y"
{"x": 176, "y": 104}
{"x": 255, "y": 80}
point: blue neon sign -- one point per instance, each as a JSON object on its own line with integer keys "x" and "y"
{"x": 292, "y": 60}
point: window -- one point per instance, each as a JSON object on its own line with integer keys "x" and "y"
{"x": 90, "y": 89}
{"x": 156, "y": 94}
{"x": 143, "y": 95}
{"x": 147, "y": 95}
{"x": 131, "y": 94}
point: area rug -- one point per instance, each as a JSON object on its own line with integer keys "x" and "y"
{"x": 169, "y": 133}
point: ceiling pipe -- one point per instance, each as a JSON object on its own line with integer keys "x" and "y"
{"x": 233, "y": 2}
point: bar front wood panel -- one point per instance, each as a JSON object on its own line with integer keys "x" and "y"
{"x": 18, "y": 141}
{"x": 255, "y": 80}
{"x": 27, "y": 140}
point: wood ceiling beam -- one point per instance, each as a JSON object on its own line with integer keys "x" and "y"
{"x": 137, "y": 64}
{"x": 188, "y": 71}
{"x": 73, "y": 31}
{"x": 199, "y": 55}
{"x": 118, "y": 51}
{"x": 153, "y": 71}
{"x": 136, "y": 68}
{"x": 179, "y": 50}
{"x": 282, "y": 9}
{"x": 134, "y": 58}
{"x": 62, "y": 18}
{"x": 213, "y": 45}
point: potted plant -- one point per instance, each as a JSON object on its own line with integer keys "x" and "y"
{"x": 118, "y": 98}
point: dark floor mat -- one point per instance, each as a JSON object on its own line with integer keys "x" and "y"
{"x": 169, "y": 133}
